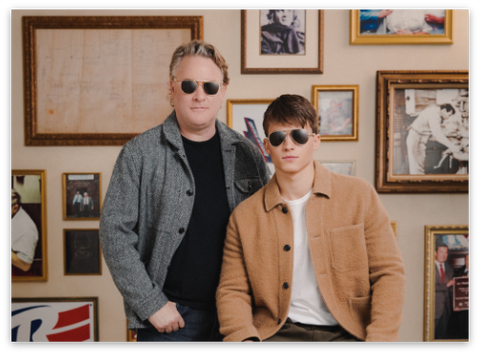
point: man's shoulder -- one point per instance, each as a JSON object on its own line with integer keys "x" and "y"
{"x": 253, "y": 205}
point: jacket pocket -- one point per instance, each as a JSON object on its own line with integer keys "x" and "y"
{"x": 348, "y": 248}
{"x": 360, "y": 310}
{"x": 248, "y": 186}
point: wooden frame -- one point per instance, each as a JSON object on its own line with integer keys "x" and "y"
{"x": 252, "y": 62}
{"x": 65, "y": 319}
{"x": 350, "y": 131}
{"x": 73, "y": 183}
{"x": 35, "y": 205}
{"x": 357, "y": 38}
{"x": 81, "y": 252}
{"x": 456, "y": 239}
{"x": 110, "y": 75}
{"x": 346, "y": 167}
{"x": 402, "y": 96}
{"x": 394, "y": 227}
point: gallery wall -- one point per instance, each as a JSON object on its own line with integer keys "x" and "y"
{"x": 344, "y": 64}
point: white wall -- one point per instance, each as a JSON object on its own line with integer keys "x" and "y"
{"x": 344, "y": 64}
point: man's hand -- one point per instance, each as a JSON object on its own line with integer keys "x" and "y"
{"x": 167, "y": 319}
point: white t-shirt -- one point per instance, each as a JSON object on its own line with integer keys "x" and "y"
{"x": 306, "y": 305}
{"x": 24, "y": 236}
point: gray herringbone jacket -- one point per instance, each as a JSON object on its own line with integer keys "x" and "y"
{"x": 148, "y": 206}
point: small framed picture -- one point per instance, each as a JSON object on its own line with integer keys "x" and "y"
{"x": 82, "y": 194}
{"x": 394, "y": 227}
{"x": 82, "y": 255}
{"x": 29, "y": 225}
{"x": 446, "y": 298}
{"x": 337, "y": 109}
{"x": 400, "y": 26}
{"x": 72, "y": 319}
{"x": 346, "y": 167}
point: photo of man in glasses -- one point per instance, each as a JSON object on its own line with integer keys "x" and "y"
{"x": 172, "y": 190}
{"x": 311, "y": 256}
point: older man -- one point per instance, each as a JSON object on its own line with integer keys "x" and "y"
{"x": 167, "y": 207}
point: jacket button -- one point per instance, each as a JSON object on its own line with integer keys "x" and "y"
{"x": 286, "y": 247}
{"x": 189, "y": 192}
{"x": 279, "y": 321}
{"x": 285, "y": 285}
{"x": 181, "y": 230}
{"x": 285, "y": 210}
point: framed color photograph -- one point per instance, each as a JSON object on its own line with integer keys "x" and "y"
{"x": 400, "y": 26}
{"x": 422, "y": 131}
{"x": 337, "y": 109}
{"x": 29, "y": 225}
{"x": 246, "y": 117}
{"x": 82, "y": 196}
{"x": 98, "y": 80}
{"x": 82, "y": 255}
{"x": 346, "y": 167}
{"x": 54, "y": 319}
{"x": 282, "y": 41}
{"x": 446, "y": 300}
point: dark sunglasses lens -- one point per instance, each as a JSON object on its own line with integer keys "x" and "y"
{"x": 276, "y": 138}
{"x": 188, "y": 86}
{"x": 300, "y": 136}
{"x": 211, "y": 87}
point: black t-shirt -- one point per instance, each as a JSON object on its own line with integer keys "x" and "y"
{"x": 194, "y": 272}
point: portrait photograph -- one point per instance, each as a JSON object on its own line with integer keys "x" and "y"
{"x": 446, "y": 283}
{"x": 337, "y": 109}
{"x": 82, "y": 255}
{"x": 423, "y": 131}
{"x": 341, "y": 167}
{"x": 82, "y": 196}
{"x": 282, "y": 31}
{"x": 28, "y": 226}
{"x": 400, "y": 26}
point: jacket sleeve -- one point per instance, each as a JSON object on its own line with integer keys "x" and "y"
{"x": 387, "y": 274}
{"x": 234, "y": 300}
{"x": 118, "y": 238}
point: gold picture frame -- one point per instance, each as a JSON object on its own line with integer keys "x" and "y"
{"x": 359, "y": 38}
{"x": 445, "y": 318}
{"x": 421, "y": 164}
{"x": 337, "y": 111}
{"x": 74, "y": 184}
{"x": 98, "y": 80}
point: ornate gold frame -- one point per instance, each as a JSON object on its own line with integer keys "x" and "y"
{"x": 232, "y": 102}
{"x": 64, "y": 197}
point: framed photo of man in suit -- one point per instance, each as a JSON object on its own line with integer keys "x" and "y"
{"x": 446, "y": 298}
{"x": 82, "y": 193}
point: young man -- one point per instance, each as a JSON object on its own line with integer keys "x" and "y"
{"x": 167, "y": 207}
{"x": 312, "y": 255}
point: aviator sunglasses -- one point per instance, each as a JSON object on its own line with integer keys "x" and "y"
{"x": 299, "y": 136}
{"x": 189, "y": 86}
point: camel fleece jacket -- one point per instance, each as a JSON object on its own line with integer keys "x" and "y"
{"x": 356, "y": 259}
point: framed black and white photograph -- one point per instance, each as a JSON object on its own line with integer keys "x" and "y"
{"x": 282, "y": 32}
{"x": 346, "y": 167}
{"x": 82, "y": 255}
{"x": 82, "y": 193}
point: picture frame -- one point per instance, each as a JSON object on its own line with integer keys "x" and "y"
{"x": 346, "y": 167}
{"x": 29, "y": 226}
{"x": 131, "y": 334}
{"x": 446, "y": 302}
{"x": 337, "y": 110}
{"x": 56, "y": 319}
{"x": 289, "y": 62}
{"x": 116, "y": 64}
{"x": 82, "y": 252}
{"x": 77, "y": 188}
{"x": 387, "y": 27}
{"x": 394, "y": 228}
{"x": 422, "y": 127}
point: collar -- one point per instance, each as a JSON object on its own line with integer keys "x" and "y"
{"x": 322, "y": 185}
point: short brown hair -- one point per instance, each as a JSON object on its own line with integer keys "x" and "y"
{"x": 291, "y": 109}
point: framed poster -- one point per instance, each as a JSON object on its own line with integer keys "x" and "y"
{"x": 82, "y": 255}
{"x": 346, "y": 167}
{"x": 98, "y": 80}
{"x": 446, "y": 301}
{"x": 337, "y": 110}
{"x": 54, "y": 319}
{"x": 29, "y": 225}
{"x": 246, "y": 117}
{"x": 401, "y": 26}
{"x": 282, "y": 41}
{"x": 422, "y": 128}
{"x": 82, "y": 194}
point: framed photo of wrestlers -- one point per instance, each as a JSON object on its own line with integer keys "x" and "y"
{"x": 401, "y": 26}
{"x": 337, "y": 110}
{"x": 82, "y": 255}
{"x": 282, "y": 41}
{"x": 246, "y": 117}
{"x": 422, "y": 142}
{"x": 72, "y": 319}
{"x": 29, "y": 225}
{"x": 346, "y": 167}
{"x": 98, "y": 80}
{"x": 82, "y": 193}
{"x": 446, "y": 305}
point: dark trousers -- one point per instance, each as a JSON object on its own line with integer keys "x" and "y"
{"x": 291, "y": 331}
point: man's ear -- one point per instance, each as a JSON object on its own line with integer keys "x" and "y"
{"x": 266, "y": 145}
{"x": 316, "y": 141}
